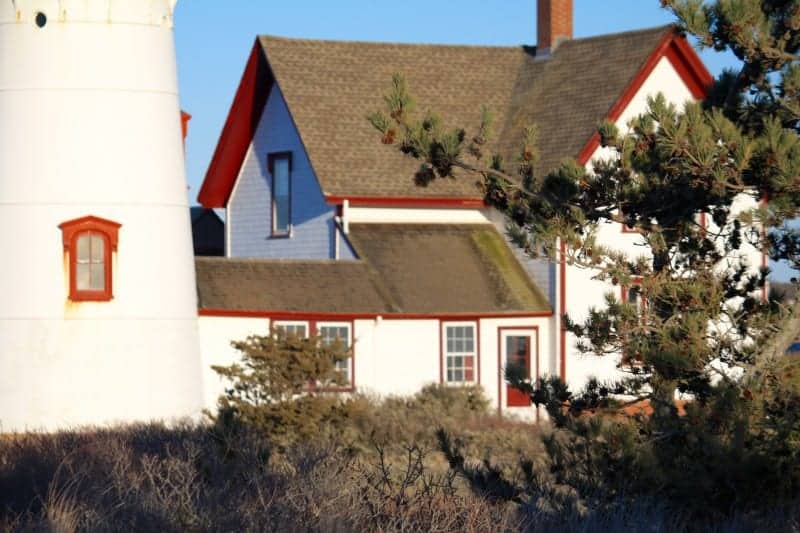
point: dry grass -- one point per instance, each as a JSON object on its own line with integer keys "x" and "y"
{"x": 379, "y": 473}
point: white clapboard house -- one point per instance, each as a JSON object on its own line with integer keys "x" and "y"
{"x": 326, "y": 232}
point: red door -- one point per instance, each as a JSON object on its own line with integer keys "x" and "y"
{"x": 518, "y": 354}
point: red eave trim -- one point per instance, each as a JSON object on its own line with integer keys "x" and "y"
{"x": 686, "y": 63}
{"x": 237, "y": 134}
{"x": 301, "y": 315}
{"x": 407, "y": 201}
{"x": 562, "y": 298}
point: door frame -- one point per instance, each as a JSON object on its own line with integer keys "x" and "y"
{"x": 516, "y": 331}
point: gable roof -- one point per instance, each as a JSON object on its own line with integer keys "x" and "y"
{"x": 404, "y": 269}
{"x": 330, "y": 86}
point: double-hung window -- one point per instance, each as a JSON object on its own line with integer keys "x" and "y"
{"x": 89, "y": 242}
{"x": 331, "y": 334}
{"x": 293, "y": 329}
{"x": 460, "y": 353}
{"x": 280, "y": 169}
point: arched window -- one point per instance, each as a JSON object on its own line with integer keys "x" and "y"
{"x": 89, "y": 242}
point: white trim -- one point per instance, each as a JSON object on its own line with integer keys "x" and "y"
{"x": 474, "y": 353}
{"x": 346, "y": 216}
{"x": 401, "y": 215}
{"x": 350, "y": 343}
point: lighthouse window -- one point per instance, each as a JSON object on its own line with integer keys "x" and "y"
{"x": 41, "y": 19}
{"x": 91, "y": 262}
{"x": 89, "y": 243}
{"x": 280, "y": 169}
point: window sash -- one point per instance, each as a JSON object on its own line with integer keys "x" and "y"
{"x": 280, "y": 168}
{"x": 90, "y": 262}
{"x": 329, "y": 334}
{"x": 299, "y": 329}
{"x": 460, "y": 353}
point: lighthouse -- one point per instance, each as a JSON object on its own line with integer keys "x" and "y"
{"x": 98, "y": 311}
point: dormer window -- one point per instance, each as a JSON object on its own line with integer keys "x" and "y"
{"x": 89, "y": 242}
{"x": 280, "y": 169}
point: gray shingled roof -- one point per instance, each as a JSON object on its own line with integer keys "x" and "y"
{"x": 331, "y": 86}
{"x": 324, "y": 286}
{"x": 446, "y": 268}
{"x": 403, "y": 269}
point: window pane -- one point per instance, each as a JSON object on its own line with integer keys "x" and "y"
{"x": 469, "y": 333}
{"x": 82, "y": 281}
{"x": 98, "y": 249}
{"x": 83, "y": 249}
{"x": 280, "y": 169}
{"x": 97, "y": 276}
{"x": 633, "y": 295}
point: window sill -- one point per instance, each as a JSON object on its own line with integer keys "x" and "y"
{"x": 91, "y": 297}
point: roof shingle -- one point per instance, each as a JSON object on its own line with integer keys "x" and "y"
{"x": 417, "y": 269}
{"x": 331, "y": 86}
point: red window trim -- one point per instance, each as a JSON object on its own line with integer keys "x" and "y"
{"x": 443, "y": 352}
{"x": 500, "y": 380}
{"x": 271, "y": 157}
{"x": 313, "y": 329}
{"x": 71, "y": 230}
{"x": 636, "y": 281}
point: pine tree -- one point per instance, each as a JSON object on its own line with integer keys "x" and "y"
{"x": 706, "y": 332}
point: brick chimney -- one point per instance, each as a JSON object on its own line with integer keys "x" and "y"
{"x": 554, "y": 20}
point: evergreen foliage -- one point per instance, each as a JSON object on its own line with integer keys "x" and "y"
{"x": 705, "y": 333}
{"x": 282, "y": 387}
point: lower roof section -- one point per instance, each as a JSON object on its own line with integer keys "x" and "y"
{"x": 410, "y": 269}
{"x": 287, "y": 285}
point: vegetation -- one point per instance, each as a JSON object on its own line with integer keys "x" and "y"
{"x": 153, "y": 478}
{"x": 705, "y": 334}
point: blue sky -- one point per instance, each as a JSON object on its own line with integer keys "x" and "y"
{"x": 213, "y": 40}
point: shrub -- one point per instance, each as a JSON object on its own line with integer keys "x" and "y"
{"x": 281, "y": 387}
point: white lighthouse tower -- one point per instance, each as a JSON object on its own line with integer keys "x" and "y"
{"x": 98, "y": 314}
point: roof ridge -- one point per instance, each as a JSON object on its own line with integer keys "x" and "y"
{"x": 640, "y": 31}
{"x": 653, "y": 29}
{"x": 389, "y": 43}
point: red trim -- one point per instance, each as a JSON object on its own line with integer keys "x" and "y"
{"x": 500, "y": 331}
{"x": 185, "y": 118}
{"x": 478, "y": 351}
{"x": 407, "y": 201}
{"x": 301, "y": 315}
{"x": 686, "y": 63}
{"x": 237, "y": 134}
{"x": 563, "y": 311}
{"x": 476, "y": 364}
{"x": 626, "y": 229}
{"x": 71, "y": 231}
{"x": 764, "y": 253}
{"x": 313, "y": 329}
{"x": 441, "y": 352}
